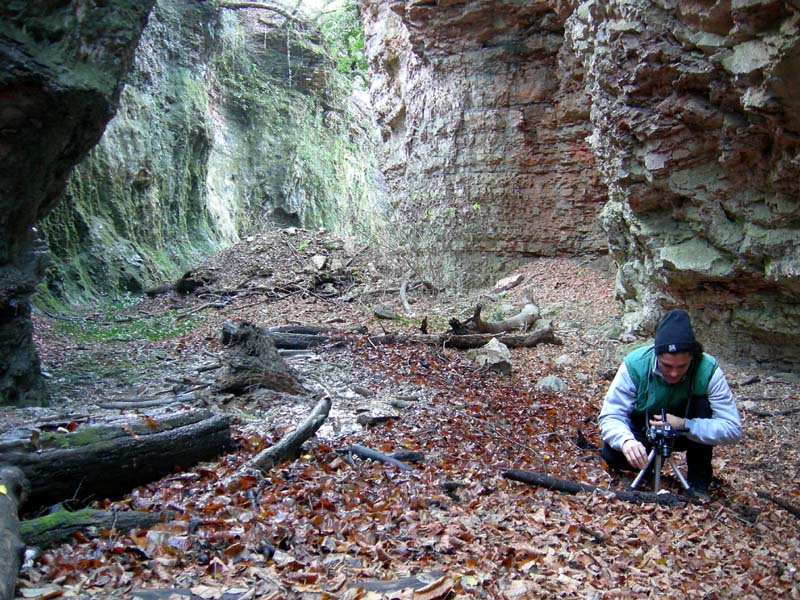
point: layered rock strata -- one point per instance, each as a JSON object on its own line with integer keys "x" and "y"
{"x": 696, "y": 109}
{"x": 483, "y": 136}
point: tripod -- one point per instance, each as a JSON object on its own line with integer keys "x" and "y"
{"x": 662, "y": 437}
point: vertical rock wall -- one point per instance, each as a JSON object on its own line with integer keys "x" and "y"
{"x": 483, "y": 145}
{"x": 61, "y": 68}
{"x": 696, "y": 108}
{"x": 230, "y": 119}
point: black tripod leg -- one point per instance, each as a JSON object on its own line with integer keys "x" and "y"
{"x": 657, "y": 473}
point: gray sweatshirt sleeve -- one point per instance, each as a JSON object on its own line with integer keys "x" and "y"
{"x": 724, "y": 426}
{"x": 615, "y": 416}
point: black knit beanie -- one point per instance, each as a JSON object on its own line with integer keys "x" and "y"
{"x": 674, "y": 333}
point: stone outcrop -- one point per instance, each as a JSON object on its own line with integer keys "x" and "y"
{"x": 228, "y": 120}
{"x": 696, "y": 108}
{"x": 61, "y": 71}
{"x": 680, "y": 119}
{"x": 483, "y": 132}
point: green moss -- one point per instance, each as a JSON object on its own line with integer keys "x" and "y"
{"x": 56, "y": 520}
{"x": 156, "y": 327}
{"x": 221, "y": 125}
{"x": 83, "y": 436}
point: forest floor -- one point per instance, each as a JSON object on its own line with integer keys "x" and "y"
{"x": 328, "y": 526}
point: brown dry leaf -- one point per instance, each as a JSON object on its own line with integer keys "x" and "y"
{"x": 128, "y": 428}
{"x": 151, "y": 422}
{"x": 437, "y": 589}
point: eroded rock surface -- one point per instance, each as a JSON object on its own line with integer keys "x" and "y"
{"x": 483, "y": 133}
{"x": 61, "y": 67}
{"x": 696, "y": 108}
{"x": 694, "y": 116}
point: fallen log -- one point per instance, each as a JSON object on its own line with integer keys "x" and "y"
{"x": 13, "y": 489}
{"x": 289, "y": 446}
{"x": 365, "y": 452}
{"x": 522, "y": 321}
{"x": 787, "y": 506}
{"x": 542, "y": 335}
{"x": 62, "y": 525}
{"x": 107, "y": 457}
{"x": 571, "y": 487}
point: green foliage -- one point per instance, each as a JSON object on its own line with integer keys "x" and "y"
{"x": 155, "y": 327}
{"x": 344, "y": 33}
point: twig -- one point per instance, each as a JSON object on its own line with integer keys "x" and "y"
{"x": 780, "y": 502}
{"x": 288, "y": 445}
{"x": 365, "y": 452}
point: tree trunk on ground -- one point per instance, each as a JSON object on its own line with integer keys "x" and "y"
{"x": 13, "y": 489}
{"x": 522, "y": 321}
{"x": 289, "y": 446}
{"x": 571, "y": 487}
{"x": 107, "y": 458}
{"x": 543, "y": 335}
{"x": 62, "y": 525}
{"x": 252, "y": 361}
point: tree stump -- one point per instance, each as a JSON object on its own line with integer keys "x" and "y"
{"x": 252, "y": 361}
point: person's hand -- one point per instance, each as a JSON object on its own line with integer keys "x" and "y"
{"x": 635, "y": 453}
{"x": 671, "y": 419}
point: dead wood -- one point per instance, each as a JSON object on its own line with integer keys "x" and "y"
{"x": 252, "y": 361}
{"x": 778, "y": 413}
{"x": 571, "y": 487}
{"x": 372, "y": 420}
{"x": 408, "y": 456}
{"x": 368, "y": 453}
{"x": 289, "y": 446}
{"x": 542, "y": 335}
{"x": 522, "y": 321}
{"x": 417, "y": 582}
{"x": 62, "y": 525}
{"x": 13, "y": 491}
{"x": 107, "y": 457}
{"x": 788, "y": 506}
{"x": 147, "y": 403}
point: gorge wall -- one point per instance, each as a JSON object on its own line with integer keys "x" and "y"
{"x": 224, "y": 120}
{"x": 483, "y": 133}
{"x": 61, "y": 68}
{"x": 696, "y": 114}
{"x": 229, "y": 119}
{"x": 680, "y": 119}
{"x": 665, "y": 131}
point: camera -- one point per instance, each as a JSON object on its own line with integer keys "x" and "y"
{"x": 663, "y": 435}
{"x": 661, "y": 438}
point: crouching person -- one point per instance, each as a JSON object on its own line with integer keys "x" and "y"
{"x": 674, "y": 374}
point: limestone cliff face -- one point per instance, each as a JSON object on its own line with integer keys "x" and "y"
{"x": 230, "y": 119}
{"x": 696, "y": 108}
{"x": 226, "y": 120}
{"x": 61, "y": 71}
{"x": 483, "y": 132}
{"x": 680, "y": 119}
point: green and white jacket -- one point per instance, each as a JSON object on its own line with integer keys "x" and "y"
{"x": 639, "y": 389}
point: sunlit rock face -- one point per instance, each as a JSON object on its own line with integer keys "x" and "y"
{"x": 696, "y": 108}
{"x": 61, "y": 68}
{"x": 692, "y": 146}
{"x": 483, "y": 131}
